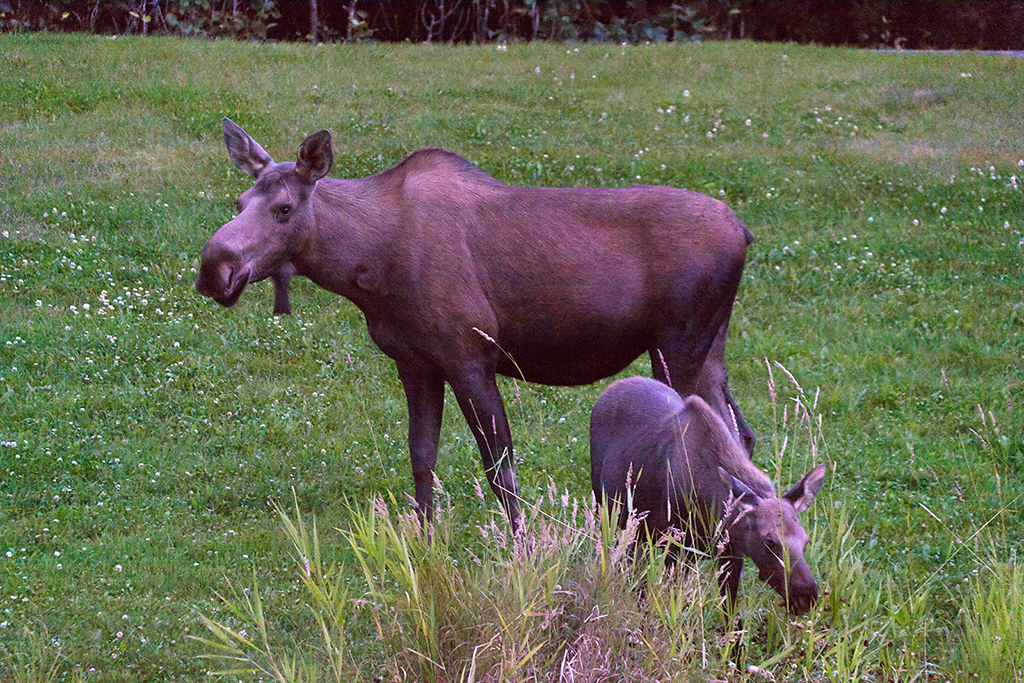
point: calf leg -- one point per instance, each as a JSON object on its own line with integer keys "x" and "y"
{"x": 730, "y": 572}
{"x": 481, "y": 404}
{"x": 424, "y": 392}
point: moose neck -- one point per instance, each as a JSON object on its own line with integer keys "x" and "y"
{"x": 346, "y": 250}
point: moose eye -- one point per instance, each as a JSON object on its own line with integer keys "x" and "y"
{"x": 283, "y": 212}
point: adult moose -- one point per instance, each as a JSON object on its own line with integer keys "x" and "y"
{"x": 676, "y": 460}
{"x": 460, "y": 276}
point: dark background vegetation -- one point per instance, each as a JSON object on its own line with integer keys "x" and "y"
{"x": 942, "y": 24}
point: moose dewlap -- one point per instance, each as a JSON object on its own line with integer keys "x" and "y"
{"x": 685, "y": 469}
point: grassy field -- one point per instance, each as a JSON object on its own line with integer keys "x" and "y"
{"x": 147, "y": 435}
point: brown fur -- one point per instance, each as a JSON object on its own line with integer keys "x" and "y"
{"x": 460, "y": 277}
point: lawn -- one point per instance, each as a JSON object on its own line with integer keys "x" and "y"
{"x": 147, "y": 435}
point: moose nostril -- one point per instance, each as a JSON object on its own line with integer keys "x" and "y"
{"x": 217, "y": 272}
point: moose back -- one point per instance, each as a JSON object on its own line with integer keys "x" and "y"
{"x": 460, "y": 276}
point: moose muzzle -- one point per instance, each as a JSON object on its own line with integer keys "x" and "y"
{"x": 222, "y": 277}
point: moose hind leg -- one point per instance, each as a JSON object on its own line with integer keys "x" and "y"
{"x": 678, "y": 360}
{"x": 694, "y": 365}
{"x": 713, "y": 387}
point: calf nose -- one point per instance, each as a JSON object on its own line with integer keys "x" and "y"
{"x": 802, "y": 598}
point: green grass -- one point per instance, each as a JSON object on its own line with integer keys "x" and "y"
{"x": 147, "y": 435}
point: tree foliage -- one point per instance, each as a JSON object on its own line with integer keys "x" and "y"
{"x": 988, "y": 24}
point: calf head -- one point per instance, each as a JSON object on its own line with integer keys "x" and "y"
{"x": 768, "y": 531}
{"x": 275, "y": 216}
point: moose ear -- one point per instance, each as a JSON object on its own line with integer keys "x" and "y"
{"x": 315, "y": 157}
{"x": 803, "y": 492}
{"x": 247, "y": 154}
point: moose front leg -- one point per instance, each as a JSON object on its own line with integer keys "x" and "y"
{"x": 282, "y": 306}
{"x": 424, "y": 392}
{"x": 481, "y": 404}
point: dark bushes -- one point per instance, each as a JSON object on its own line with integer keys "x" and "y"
{"x": 995, "y": 24}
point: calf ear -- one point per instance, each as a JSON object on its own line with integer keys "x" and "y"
{"x": 803, "y": 492}
{"x": 738, "y": 488}
{"x": 247, "y": 154}
{"x": 315, "y": 157}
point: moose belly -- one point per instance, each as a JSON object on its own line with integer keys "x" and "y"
{"x": 574, "y": 329}
{"x": 571, "y": 357}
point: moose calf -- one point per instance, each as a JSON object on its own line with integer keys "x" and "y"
{"x": 684, "y": 468}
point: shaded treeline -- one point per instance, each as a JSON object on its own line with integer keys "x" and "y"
{"x": 986, "y": 24}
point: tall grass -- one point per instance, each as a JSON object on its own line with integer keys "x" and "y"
{"x": 34, "y": 656}
{"x": 250, "y": 646}
{"x": 993, "y": 623}
{"x": 543, "y": 608}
